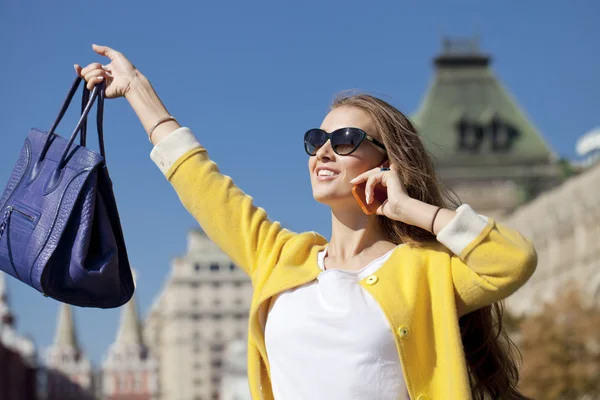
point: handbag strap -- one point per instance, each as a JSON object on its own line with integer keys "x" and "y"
{"x": 99, "y": 119}
{"x": 98, "y": 91}
{"x": 85, "y": 97}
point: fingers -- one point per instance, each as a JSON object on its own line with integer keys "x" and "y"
{"x": 93, "y": 74}
{"x": 90, "y": 67}
{"x": 365, "y": 175}
{"x": 372, "y": 181}
{"x": 93, "y": 77}
{"x": 106, "y": 51}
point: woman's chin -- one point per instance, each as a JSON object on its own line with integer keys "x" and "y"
{"x": 329, "y": 198}
{"x": 324, "y": 197}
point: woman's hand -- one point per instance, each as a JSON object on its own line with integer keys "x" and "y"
{"x": 397, "y": 197}
{"x": 120, "y": 74}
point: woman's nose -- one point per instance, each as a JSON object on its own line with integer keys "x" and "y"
{"x": 325, "y": 152}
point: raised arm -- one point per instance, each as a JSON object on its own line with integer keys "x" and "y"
{"x": 226, "y": 214}
{"x": 490, "y": 262}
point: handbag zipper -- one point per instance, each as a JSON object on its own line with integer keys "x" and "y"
{"x": 30, "y": 217}
{"x": 6, "y": 216}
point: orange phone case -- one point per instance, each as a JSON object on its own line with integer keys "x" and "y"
{"x": 380, "y": 196}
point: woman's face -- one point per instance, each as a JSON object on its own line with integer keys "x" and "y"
{"x": 332, "y": 189}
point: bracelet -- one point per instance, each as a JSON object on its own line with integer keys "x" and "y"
{"x": 433, "y": 220}
{"x": 160, "y": 121}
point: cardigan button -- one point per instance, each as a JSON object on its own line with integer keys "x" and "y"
{"x": 423, "y": 397}
{"x": 403, "y": 332}
{"x": 371, "y": 280}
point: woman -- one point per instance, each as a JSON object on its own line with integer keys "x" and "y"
{"x": 399, "y": 304}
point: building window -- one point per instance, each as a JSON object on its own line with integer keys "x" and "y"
{"x": 216, "y": 284}
{"x": 237, "y": 284}
{"x": 196, "y": 316}
{"x": 232, "y": 267}
{"x": 214, "y": 267}
{"x": 239, "y": 315}
{"x": 216, "y": 347}
{"x": 216, "y": 363}
{"x": 217, "y": 302}
{"x": 197, "y": 266}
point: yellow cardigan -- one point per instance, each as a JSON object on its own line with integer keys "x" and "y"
{"x": 422, "y": 291}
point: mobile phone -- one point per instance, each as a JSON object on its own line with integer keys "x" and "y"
{"x": 379, "y": 197}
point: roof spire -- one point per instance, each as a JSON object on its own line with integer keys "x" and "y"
{"x": 65, "y": 336}
{"x": 461, "y": 52}
{"x": 130, "y": 330}
{"x": 6, "y": 316}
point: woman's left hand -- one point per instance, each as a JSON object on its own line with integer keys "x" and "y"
{"x": 397, "y": 197}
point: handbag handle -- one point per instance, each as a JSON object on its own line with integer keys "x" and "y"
{"x": 85, "y": 97}
{"x": 82, "y": 123}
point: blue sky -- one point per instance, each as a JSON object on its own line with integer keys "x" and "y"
{"x": 249, "y": 78}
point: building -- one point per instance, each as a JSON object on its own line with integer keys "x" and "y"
{"x": 488, "y": 152}
{"x": 564, "y": 225}
{"x": 69, "y": 372}
{"x": 203, "y": 306}
{"x": 129, "y": 372}
{"x": 485, "y": 149}
{"x": 18, "y": 367}
{"x": 234, "y": 384}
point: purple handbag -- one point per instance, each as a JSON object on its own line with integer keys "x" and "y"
{"x": 60, "y": 230}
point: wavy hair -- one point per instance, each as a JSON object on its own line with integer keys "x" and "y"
{"x": 490, "y": 353}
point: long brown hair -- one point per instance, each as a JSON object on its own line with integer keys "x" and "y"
{"x": 490, "y": 353}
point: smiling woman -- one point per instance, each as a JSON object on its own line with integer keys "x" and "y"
{"x": 402, "y": 303}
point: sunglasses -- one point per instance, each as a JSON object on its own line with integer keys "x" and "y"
{"x": 344, "y": 141}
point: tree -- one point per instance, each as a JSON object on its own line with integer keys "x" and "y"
{"x": 561, "y": 349}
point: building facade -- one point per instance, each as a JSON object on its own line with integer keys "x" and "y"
{"x": 202, "y": 308}
{"x": 18, "y": 369}
{"x": 564, "y": 225}
{"x": 234, "y": 384}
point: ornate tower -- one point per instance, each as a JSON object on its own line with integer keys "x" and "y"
{"x": 484, "y": 146}
{"x": 69, "y": 371}
{"x": 130, "y": 372}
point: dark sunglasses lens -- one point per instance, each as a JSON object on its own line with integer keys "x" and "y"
{"x": 313, "y": 141}
{"x": 346, "y": 141}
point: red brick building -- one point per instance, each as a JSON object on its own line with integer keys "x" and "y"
{"x": 18, "y": 378}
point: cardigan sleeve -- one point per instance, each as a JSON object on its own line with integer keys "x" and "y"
{"x": 490, "y": 261}
{"x": 226, "y": 214}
